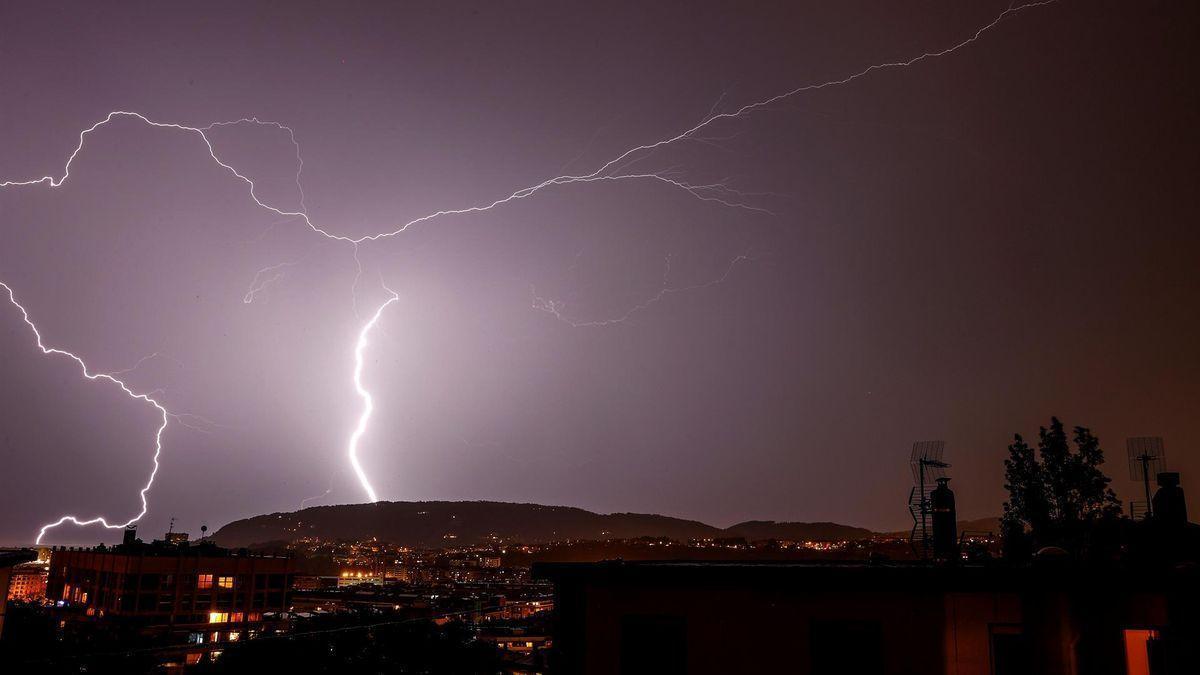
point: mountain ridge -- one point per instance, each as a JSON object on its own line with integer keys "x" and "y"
{"x": 430, "y": 524}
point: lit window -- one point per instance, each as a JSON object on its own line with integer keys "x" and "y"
{"x": 236, "y": 617}
{"x": 234, "y": 636}
{"x": 204, "y": 581}
{"x": 218, "y": 617}
{"x": 224, "y": 582}
{"x": 1137, "y": 650}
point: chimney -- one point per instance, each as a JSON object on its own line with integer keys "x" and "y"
{"x": 945, "y": 527}
{"x": 130, "y": 535}
{"x": 1170, "y": 508}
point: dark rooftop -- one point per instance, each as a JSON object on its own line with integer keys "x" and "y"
{"x": 857, "y": 575}
{"x": 10, "y": 558}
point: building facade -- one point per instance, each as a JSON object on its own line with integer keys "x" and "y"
{"x": 9, "y": 560}
{"x": 700, "y": 618}
{"x": 28, "y": 582}
{"x": 203, "y": 590}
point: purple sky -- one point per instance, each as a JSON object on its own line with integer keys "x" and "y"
{"x": 958, "y": 250}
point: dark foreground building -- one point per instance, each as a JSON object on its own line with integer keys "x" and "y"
{"x": 701, "y": 618}
{"x": 177, "y": 592}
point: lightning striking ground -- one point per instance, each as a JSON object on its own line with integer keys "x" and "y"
{"x": 610, "y": 171}
{"x": 87, "y": 373}
{"x": 368, "y": 402}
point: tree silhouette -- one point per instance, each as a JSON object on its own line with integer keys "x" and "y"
{"x": 1058, "y": 496}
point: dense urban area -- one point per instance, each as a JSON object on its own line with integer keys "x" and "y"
{"x": 180, "y": 603}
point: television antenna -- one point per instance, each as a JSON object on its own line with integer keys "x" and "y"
{"x": 1147, "y": 457}
{"x": 927, "y": 467}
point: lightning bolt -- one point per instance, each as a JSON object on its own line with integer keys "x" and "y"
{"x": 368, "y": 403}
{"x": 604, "y": 173}
{"x": 87, "y": 373}
{"x": 323, "y": 495}
{"x": 702, "y": 192}
{"x": 613, "y": 170}
{"x": 556, "y": 307}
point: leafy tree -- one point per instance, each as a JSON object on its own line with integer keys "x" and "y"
{"x": 1058, "y": 495}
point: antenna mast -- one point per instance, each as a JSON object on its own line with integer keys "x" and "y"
{"x": 927, "y": 467}
{"x": 1147, "y": 457}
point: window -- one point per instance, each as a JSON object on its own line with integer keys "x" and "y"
{"x": 204, "y": 581}
{"x": 846, "y": 647}
{"x": 225, "y": 582}
{"x": 218, "y": 617}
{"x": 236, "y": 617}
{"x": 1140, "y": 651}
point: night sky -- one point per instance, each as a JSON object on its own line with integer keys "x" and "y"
{"x": 954, "y": 250}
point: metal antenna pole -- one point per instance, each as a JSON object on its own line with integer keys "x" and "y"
{"x": 924, "y": 508}
{"x": 1146, "y": 456}
{"x": 926, "y": 462}
{"x": 1146, "y": 481}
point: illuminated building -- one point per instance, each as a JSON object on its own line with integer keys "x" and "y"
{"x": 702, "y": 618}
{"x": 358, "y": 577}
{"x": 8, "y": 560}
{"x": 164, "y": 588}
{"x": 28, "y": 582}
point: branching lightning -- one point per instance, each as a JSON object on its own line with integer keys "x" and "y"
{"x": 326, "y": 493}
{"x": 614, "y": 170}
{"x": 165, "y": 415}
{"x": 556, "y": 307}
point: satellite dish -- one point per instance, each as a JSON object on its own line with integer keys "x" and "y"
{"x": 1051, "y": 553}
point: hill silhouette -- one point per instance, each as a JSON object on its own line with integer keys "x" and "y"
{"x": 433, "y": 524}
{"x": 439, "y": 524}
{"x": 755, "y": 530}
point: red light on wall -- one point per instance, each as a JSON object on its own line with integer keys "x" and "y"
{"x": 1137, "y": 650}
